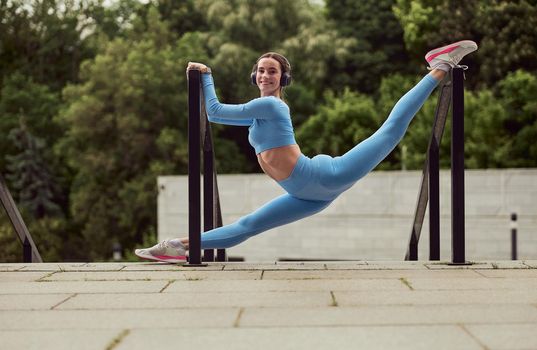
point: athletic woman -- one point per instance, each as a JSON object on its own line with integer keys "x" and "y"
{"x": 311, "y": 184}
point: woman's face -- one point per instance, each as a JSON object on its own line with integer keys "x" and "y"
{"x": 268, "y": 77}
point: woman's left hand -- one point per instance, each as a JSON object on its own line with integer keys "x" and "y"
{"x": 199, "y": 66}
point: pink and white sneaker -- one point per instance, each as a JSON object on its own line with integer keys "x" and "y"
{"x": 163, "y": 251}
{"x": 450, "y": 54}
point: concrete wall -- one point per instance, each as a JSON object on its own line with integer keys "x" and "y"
{"x": 372, "y": 220}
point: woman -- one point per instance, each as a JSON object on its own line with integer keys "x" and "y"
{"x": 311, "y": 184}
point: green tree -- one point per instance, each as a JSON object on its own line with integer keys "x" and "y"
{"x": 339, "y": 124}
{"x": 378, "y": 46}
{"x": 32, "y": 182}
{"x": 20, "y": 97}
{"x": 502, "y": 29}
{"x": 126, "y": 124}
{"x": 519, "y": 98}
{"x": 509, "y": 40}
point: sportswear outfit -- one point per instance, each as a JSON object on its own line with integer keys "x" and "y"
{"x": 314, "y": 182}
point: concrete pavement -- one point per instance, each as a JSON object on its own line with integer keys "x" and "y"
{"x": 336, "y": 305}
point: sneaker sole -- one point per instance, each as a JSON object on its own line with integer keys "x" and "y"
{"x": 448, "y": 48}
{"x": 167, "y": 259}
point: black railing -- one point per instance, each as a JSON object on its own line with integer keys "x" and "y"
{"x": 29, "y": 250}
{"x": 199, "y": 129}
{"x": 450, "y": 92}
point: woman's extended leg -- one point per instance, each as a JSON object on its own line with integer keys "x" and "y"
{"x": 365, "y": 156}
{"x": 280, "y": 211}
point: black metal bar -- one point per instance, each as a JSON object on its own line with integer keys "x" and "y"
{"x": 514, "y": 252}
{"x": 457, "y": 169}
{"x": 221, "y": 254}
{"x": 434, "y": 200}
{"x": 211, "y": 197}
{"x": 26, "y": 251}
{"x": 412, "y": 252}
{"x": 208, "y": 187}
{"x": 194, "y": 215}
{"x": 439, "y": 123}
{"x": 31, "y": 255}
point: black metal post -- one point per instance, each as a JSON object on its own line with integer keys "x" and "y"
{"x": 221, "y": 254}
{"x": 514, "y": 226}
{"x": 194, "y": 214}
{"x": 434, "y": 200}
{"x": 208, "y": 193}
{"x": 26, "y": 251}
{"x": 457, "y": 169}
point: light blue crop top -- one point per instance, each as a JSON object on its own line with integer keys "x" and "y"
{"x": 268, "y": 118}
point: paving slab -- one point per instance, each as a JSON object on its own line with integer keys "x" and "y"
{"x": 150, "y": 275}
{"x": 285, "y": 285}
{"x": 82, "y": 287}
{"x": 94, "y": 267}
{"x": 223, "y": 275}
{"x": 445, "y": 265}
{"x": 21, "y": 277}
{"x": 509, "y": 264}
{"x": 364, "y": 274}
{"x": 58, "y": 339}
{"x": 118, "y": 319}
{"x": 388, "y": 315}
{"x": 275, "y": 266}
{"x": 11, "y": 267}
{"x": 169, "y": 301}
{"x": 115, "y": 276}
{"x": 477, "y": 283}
{"x": 376, "y": 265}
{"x": 150, "y": 266}
{"x": 416, "y": 297}
{"x": 512, "y": 273}
{"x": 50, "y": 266}
{"x": 531, "y": 263}
{"x": 31, "y": 302}
{"x": 371, "y": 338}
{"x": 118, "y": 276}
{"x": 506, "y": 336}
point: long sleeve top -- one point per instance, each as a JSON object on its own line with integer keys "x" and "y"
{"x": 268, "y": 118}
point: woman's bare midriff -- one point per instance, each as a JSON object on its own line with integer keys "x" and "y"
{"x": 278, "y": 163}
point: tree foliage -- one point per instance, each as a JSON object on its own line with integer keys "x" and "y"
{"x": 101, "y": 88}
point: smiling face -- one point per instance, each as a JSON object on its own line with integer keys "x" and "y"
{"x": 268, "y": 77}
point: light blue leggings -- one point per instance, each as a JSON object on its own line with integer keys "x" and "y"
{"x": 316, "y": 182}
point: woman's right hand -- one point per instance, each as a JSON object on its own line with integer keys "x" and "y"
{"x": 199, "y": 66}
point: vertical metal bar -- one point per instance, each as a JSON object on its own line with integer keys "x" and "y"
{"x": 221, "y": 254}
{"x": 26, "y": 251}
{"x": 457, "y": 169}
{"x": 514, "y": 253}
{"x": 434, "y": 200}
{"x": 208, "y": 191}
{"x": 412, "y": 252}
{"x": 194, "y": 215}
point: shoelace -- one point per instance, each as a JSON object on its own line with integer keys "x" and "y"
{"x": 463, "y": 66}
{"x": 163, "y": 245}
